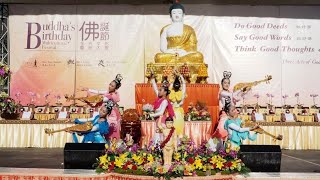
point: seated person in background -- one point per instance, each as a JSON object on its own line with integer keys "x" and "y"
{"x": 288, "y": 116}
{"x": 100, "y": 125}
{"x": 256, "y": 116}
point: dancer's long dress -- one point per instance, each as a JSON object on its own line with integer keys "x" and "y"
{"x": 163, "y": 109}
{"x": 114, "y": 119}
{"x": 177, "y": 98}
{"x": 96, "y": 135}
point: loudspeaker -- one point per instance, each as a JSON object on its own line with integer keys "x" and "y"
{"x": 261, "y": 158}
{"x": 82, "y": 155}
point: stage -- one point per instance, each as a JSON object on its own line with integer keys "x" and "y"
{"x": 295, "y": 164}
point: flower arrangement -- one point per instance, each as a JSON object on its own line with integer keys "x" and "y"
{"x": 147, "y": 108}
{"x": 187, "y": 161}
{"x": 58, "y": 99}
{"x": 198, "y": 112}
{"x": 32, "y": 95}
{"x": 8, "y": 105}
{"x": 46, "y": 96}
{"x": 297, "y": 95}
{"x": 130, "y": 115}
{"x": 4, "y": 73}
{"x": 18, "y": 94}
{"x": 314, "y": 101}
{"x": 284, "y": 100}
{"x": 270, "y": 96}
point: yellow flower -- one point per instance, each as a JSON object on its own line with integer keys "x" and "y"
{"x": 123, "y": 156}
{"x": 214, "y": 159}
{"x": 103, "y": 159}
{"x": 106, "y": 146}
{"x": 198, "y": 163}
{"x": 118, "y": 162}
{"x": 236, "y": 148}
{"x": 227, "y": 150}
{"x": 219, "y": 165}
{"x": 130, "y": 166}
{"x": 105, "y": 167}
{"x": 140, "y": 161}
{"x": 185, "y": 155}
{"x": 204, "y": 168}
{"x": 234, "y": 164}
{"x": 137, "y": 159}
{"x": 150, "y": 158}
{"x": 144, "y": 154}
{"x": 177, "y": 156}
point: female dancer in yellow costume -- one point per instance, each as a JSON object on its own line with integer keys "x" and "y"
{"x": 176, "y": 97}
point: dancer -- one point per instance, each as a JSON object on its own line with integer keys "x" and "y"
{"x": 225, "y": 97}
{"x": 100, "y": 126}
{"x": 176, "y": 97}
{"x": 162, "y": 107}
{"x": 236, "y": 134}
{"x": 112, "y": 94}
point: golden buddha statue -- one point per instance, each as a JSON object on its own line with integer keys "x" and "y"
{"x": 178, "y": 42}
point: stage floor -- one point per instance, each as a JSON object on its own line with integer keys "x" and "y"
{"x": 295, "y": 165}
{"x": 292, "y": 160}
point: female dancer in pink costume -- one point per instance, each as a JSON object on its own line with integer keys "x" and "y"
{"x": 114, "y": 118}
{"x": 162, "y": 107}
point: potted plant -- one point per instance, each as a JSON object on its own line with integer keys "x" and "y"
{"x": 8, "y": 107}
{"x": 4, "y": 73}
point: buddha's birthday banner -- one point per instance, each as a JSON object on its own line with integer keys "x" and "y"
{"x": 57, "y": 50}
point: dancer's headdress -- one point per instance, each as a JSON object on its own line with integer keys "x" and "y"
{"x": 118, "y": 80}
{"x": 109, "y": 105}
{"x": 227, "y": 74}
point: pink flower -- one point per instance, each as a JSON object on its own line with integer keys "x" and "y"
{"x": 18, "y": 94}
{"x": 46, "y": 95}
{"x": 268, "y": 95}
{"x": 32, "y": 94}
{"x": 2, "y": 72}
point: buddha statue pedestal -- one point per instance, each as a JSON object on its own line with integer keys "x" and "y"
{"x": 193, "y": 73}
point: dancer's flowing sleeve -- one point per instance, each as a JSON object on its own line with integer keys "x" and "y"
{"x": 94, "y": 91}
{"x": 183, "y": 90}
{"x": 237, "y": 128}
{"x": 162, "y": 108}
{"x": 83, "y": 120}
{"x": 154, "y": 86}
{"x": 224, "y": 94}
{"x": 115, "y": 97}
{"x": 252, "y": 136}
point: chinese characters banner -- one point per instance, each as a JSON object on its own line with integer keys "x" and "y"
{"x": 59, "y": 54}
